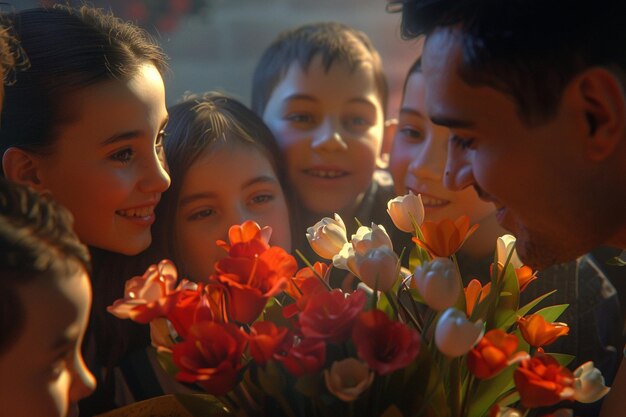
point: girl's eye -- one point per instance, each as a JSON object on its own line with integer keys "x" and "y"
{"x": 299, "y": 118}
{"x": 357, "y": 123}
{"x": 202, "y": 214}
{"x": 411, "y": 133}
{"x": 262, "y": 198}
{"x": 461, "y": 143}
{"x": 158, "y": 145}
{"x": 124, "y": 155}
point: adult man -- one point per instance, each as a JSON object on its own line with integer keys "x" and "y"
{"x": 532, "y": 92}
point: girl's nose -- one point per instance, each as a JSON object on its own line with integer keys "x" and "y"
{"x": 83, "y": 382}
{"x": 428, "y": 160}
{"x": 155, "y": 178}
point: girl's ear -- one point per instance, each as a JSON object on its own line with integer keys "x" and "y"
{"x": 389, "y": 132}
{"x": 21, "y": 167}
{"x": 604, "y": 106}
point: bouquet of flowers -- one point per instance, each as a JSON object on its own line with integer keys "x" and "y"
{"x": 264, "y": 338}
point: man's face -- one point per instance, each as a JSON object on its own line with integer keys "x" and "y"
{"x": 544, "y": 188}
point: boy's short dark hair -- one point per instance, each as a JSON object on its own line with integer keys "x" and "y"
{"x": 36, "y": 242}
{"x": 335, "y": 42}
{"x": 528, "y": 49}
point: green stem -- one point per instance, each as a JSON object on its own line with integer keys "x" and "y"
{"x": 455, "y": 388}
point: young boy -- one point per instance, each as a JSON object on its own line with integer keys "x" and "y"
{"x": 321, "y": 90}
{"x": 45, "y": 297}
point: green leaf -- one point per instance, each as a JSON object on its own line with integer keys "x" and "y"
{"x": 524, "y": 310}
{"x": 562, "y": 358}
{"x": 508, "y": 301}
{"x": 271, "y": 379}
{"x": 616, "y": 261}
{"x": 166, "y": 362}
{"x": 552, "y": 313}
{"x": 489, "y": 390}
{"x": 202, "y": 405}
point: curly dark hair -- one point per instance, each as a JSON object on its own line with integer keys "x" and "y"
{"x": 36, "y": 242}
{"x": 528, "y": 49}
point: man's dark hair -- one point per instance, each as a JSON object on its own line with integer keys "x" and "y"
{"x": 528, "y": 49}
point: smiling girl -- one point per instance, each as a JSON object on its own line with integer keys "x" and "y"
{"x": 85, "y": 124}
{"x": 225, "y": 169}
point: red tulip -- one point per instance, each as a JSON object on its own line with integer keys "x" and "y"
{"x": 331, "y": 315}
{"x": 305, "y": 357}
{"x": 542, "y": 382}
{"x": 250, "y": 282}
{"x": 264, "y": 340}
{"x": 385, "y": 345}
{"x": 211, "y": 356}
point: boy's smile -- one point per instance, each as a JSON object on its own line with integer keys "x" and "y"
{"x": 329, "y": 125}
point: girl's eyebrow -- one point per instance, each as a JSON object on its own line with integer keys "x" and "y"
{"x": 411, "y": 112}
{"x": 208, "y": 195}
{"x": 299, "y": 96}
{"x": 120, "y": 137}
{"x": 260, "y": 179}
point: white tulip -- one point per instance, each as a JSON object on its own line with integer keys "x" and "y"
{"x": 378, "y": 268}
{"x": 504, "y": 245}
{"x": 589, "y": 383}
{"x": 404, "y": 210}
{"x": 327, "y": 236}
{"x": 438, "y": 282}
{"x": 455, "y": 335}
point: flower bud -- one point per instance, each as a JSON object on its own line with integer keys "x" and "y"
{"x": 589, "y": 384}
{"x": 404, "y": 210}
{"x": 504, "y": 245}
{"x": 455, "y": 335}
{"x": 327, "y": 236}
{"x": 367, "y": 238}
{"x": 378, "y": 268}
{"x": 348, "y": 378}
{"x": 439, "y": 282}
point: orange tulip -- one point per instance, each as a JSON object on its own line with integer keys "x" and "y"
{"x": 538, "y": 332}
{"x": 474, "y": 294}
{"x": 294, "y": 285}
{"x": 494, "y": 352}
{"x": 445, "y": 237}
{"x": 525, "y": 275}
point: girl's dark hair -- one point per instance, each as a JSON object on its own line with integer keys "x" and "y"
{"x": 333, "y": 41}
{"x": 200, "y": 124}
{"x": 36, "y": 242}
{"x": 68, "y": 49}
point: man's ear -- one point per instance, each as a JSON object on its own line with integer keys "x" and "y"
{"x": 21, "y": 166}
{"x": 604, "y": 105}
{"x": 389, "y": 132}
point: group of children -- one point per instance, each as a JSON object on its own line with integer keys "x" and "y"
{"x": 86, "y": 125}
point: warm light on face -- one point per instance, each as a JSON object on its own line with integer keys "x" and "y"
{"x": 225, "y": 187}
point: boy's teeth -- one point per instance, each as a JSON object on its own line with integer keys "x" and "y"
{"x": 326, "y": 174}
{"x": 140, "y": 212}
{"x": 429, "y": 201}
